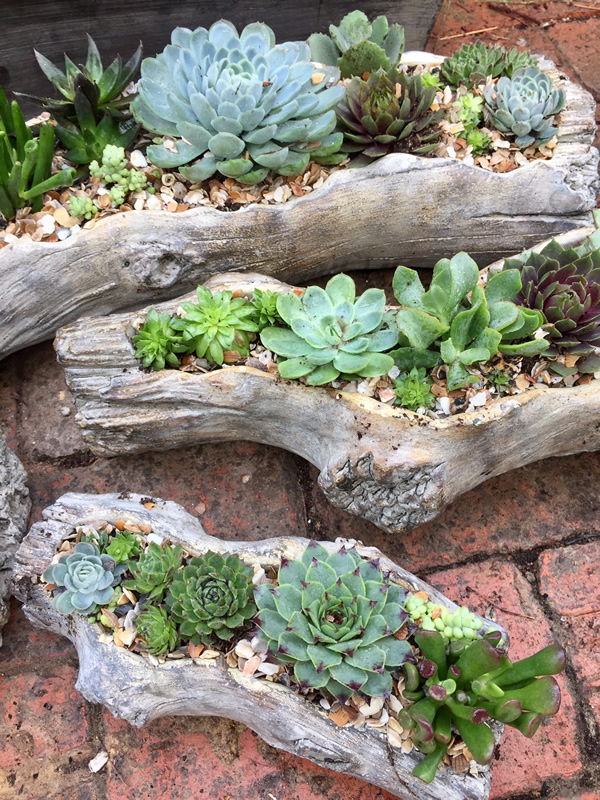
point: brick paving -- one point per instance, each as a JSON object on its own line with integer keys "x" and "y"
{"x": 524, "y": 548}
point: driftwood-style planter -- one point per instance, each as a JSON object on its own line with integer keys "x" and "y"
{"x": 14, "y": 513}
{"x": 133, "y": 689}
{"x": 401, "y": 209}
{"x": 391, "y": 466}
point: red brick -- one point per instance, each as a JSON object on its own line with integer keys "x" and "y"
{"x": 524, "y": 764}
{"x": 26, "y": 647}
{"x": 578, "y": 796}
{"x": 41, "y": 716}
{"x": 10, "y": 387}
{"x": 569, "y": 576}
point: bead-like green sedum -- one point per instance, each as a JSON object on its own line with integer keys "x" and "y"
{"x": 333, "y": 617}
{"x": 525, "y": 106}
{"x": 88, "y": 579}
{"x": 212, "y": 598}
{"x": 154, "y": 570}
{"x": 332, "y": 333}
{"x": 241, "y": 102}
{"x": 453, "y": 625}
{"x": 157, "y": 631}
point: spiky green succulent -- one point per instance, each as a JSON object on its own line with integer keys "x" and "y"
{"x": 25, "y": 162}
{"x": 469, "y": 110}
{"x": 241, "y": 102}
{"x": 157, "y": 342}
{"x": 479, "y": 140}
{"x": 212, "y": 598}
{"x": 82, "y": 207}
{"x": 413, "y": 389}
{"x": 383, "y": 115}
{"x": 154, "y": 570}
{"x": 468, "y": 685}
{"x": 333, "y": 617}
{"x": 458, "y": 321}
{"x": 88, "y": 579}
{"x": 332, "y": 333}
{"x": 218, "y": 322}
{"x": 358, "y": 46}
{"x": 265, "y": 305}
{"x": 123, "y": 547}
{"x": 156, "y": 630}
{"x": 473, "y": 63}
{"x": 564, "y": 285}
{"x": 525, "y": 106}
{"x": 452, "y": 625}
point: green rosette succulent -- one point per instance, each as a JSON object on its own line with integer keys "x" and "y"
{"x": 378, "y": 119}
{"x": 88, "y": 579}
{"x": 243, "y": 103}
{"x": 212, "y": 598}
{"x": 468, "y": 684}
{"x": 473, "y": 63}
{"x": 413, "y": 389}
{"x": 218, "y": 322}
{"x": 154, "y": 570}
{"x": 123, "y": 547}
{"x": 525, "y": 106}
{"x": 332, "y": 333}
{"x": 333, "y": 617}
{"x": 265, "y": 305}
{"x": 157, "y": 631}
{"x": 157, "y": 341}
{"x": 358, "y": 46}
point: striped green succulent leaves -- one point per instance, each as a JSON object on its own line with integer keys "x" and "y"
{"x": 332, "y": 333}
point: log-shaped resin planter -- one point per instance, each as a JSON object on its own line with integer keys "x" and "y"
{"x": 401, "y": 209}
{"x": 391, "y": 466}
{"x": 133, "y": 689}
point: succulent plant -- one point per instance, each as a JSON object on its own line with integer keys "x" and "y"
{"x": 473, "y": 63}
{"x": 82, "y": 207}
{"x": 471, "y": 684}
{"x": 113, "y": 169}
{"x": 156, "y": 630}
{"x": 524, "y": 105}
{"x": 413, "y": 389}
{"x": 431, "y": 80}
{"x": 381, "y": 115}
{"x": 157, "y": 342}
{"x": 452, "y": 625}
{"x": 332, "y": 333}
{"x": 123, "y": 547}
{"x": 88, "y": 579}
{"x": 564, "y": 285}
{"x": 265, "y": 305}
{"x": 243, "y": 103}
{"x": 479, "y": 140}
{"x": 212, "y": 598}
{"x": 333, "y": 616}
{"x": 466, "y": 322}
{"x": 218, "y": 322}
{"x": 358, "y": 46}
{"x": 25, "y": 162}
{"x": 469, "y": 110}
{"x": 154, "y": 570}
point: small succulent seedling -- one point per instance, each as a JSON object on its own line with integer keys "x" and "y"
{"x": 123, "y": 547}
{"x": 82, "y": 207}
{"x": 413, "y": 390}
{"x": 479, "y": 140}
{"x": 473, "y": 63}
{"x": 333, "y": 617}
{"x": 357, "y": 46}
{"x": 469, "y": 110}
{"x": 265, "y": 305}
{"x": 332, "y": 333}
{"x": 157, "y": 342}
{"x": 154, "y": 570}
{"x": 156, "y": 630}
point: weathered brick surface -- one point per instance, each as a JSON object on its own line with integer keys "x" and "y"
{"x": 29, "y": 649}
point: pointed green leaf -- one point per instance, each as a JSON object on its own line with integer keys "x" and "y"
{"x": 287, "y": 600}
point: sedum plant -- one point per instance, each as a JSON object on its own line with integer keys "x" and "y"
{"x": 383, "y": 115}
{"x": 525, "y": 106}
{"x": 470, "y": 685}
{"x": 157, "y": 342}
{"x": 332, "y": 333}
{"x": 113, "y": 170}
{"x": 157, "y": 630}
{"x": 88, "y": 579}
{"x": 82, "y": 207}
{"x": 218, "y": 322}
{"x": 123, "y": 547}
{"x": 25, "y": 162}
{"x": 473, "y": 63}
{"x": 212, "y": 598}
{"x": 154, "y": 570}
{"x": 452, "y": 625}
{"x": 413, "y": 390}
{"x": 357, "y": 46}
{"x": 333, "y": 617}
{"x": 241, "y": 102}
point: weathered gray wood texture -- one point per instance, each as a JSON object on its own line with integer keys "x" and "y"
{"x": 393, "y": 467}
{"x": 57, "y": 26}
{"x": 14, "y": 513}
{"x": 402, "y": 209}
{"x": 134, "y": 690}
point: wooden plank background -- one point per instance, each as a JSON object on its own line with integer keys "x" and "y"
{"x": 57, "y": 26}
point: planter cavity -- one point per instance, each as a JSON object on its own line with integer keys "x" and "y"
{"x": 391, "y": 466}
{"x": 404, "y": 208}
{"x": 131, "y": 688}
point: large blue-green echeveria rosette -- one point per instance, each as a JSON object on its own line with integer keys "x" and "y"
{"x": 242, "y": 102}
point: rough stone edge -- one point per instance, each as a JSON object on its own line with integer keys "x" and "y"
{"x": 15, "y": 505}
{"x": 134, "y": 690}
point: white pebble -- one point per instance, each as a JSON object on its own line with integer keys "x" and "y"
{"x": 479, "y": 399}
{"x": 364, "y": 388}
{"x": 244, "y": 649}
{"x": 46, "y": 223}
{"x": 65, "y": 411}
{"x": 138, "y": 159}
{"x": 98, "y": 761}
{"x": 394, "y": 372}
{"x": 153, "y": 203}
{"x": 268, "y": 669}
{"x": 258, "y": 645}
{"x": 443, "y": 403}
{"x": 63, "y": 233}
{"x": 155, "y": 537}
{"x": 395, "y": 704}
{"x": 278, "y": 194}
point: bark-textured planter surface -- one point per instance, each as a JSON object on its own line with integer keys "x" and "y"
{"x": 133, "y": 689}
{"x": 391, "y": 466}
{"x": 401, "y": 209}
{"x": 14, "y": 513}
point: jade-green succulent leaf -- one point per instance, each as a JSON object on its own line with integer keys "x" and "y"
{"x": 154, "y": 570}
{"x": 156, "y": 630}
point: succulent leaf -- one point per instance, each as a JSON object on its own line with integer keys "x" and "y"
{"x": 156, "y": 630}
{"x": 154, "y": 570}
{"x": 472, "y": 63}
